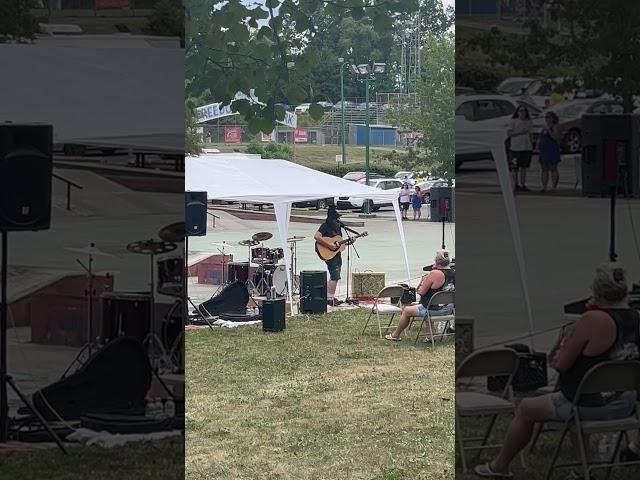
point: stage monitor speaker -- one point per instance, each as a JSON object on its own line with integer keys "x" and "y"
{"x": 26, "y": 162}
{"x": 313, "y": 291}
{"x": 610, "y": 150}
{"x": 442, "y": 204}
{"x": 273, "y": 315}
{"x": 195, "y": 213}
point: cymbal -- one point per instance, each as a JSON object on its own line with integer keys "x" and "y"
{"x": 248, "y": 243}
{"x": 223, "y": 245}
{"x": 89, "y": 251}
{"x": 295, "y": 239}
{"x": 151, "y": 247}
{"x": 262, "y": 236}
{"x": 172, "y": 233}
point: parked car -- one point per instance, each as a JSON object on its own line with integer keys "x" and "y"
{"x": 359, "y": 203}
{"x": 326, "y": 105}
{"x": 478, "y": 112}
{"x": 570, "y": 120}
{"x": 358, "y": 176}
{"x": 426, "y": 186}
{"x": 317, "y": 204}
{"x": 515, "y": 85}
{"x": 409, "y": 177}
{"x": 347, "y": 104}
{"x": 302, "y": 108}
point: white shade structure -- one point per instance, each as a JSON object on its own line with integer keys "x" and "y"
{"x": 278, "y": 182}
{"x": 493, "y": 140}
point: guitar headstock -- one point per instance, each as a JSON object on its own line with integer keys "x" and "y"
{"x": 364, "y": 234}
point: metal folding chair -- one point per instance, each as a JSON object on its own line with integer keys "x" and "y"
{"x": 502, "y": 362}
{"x": 383, "y": 308}
{"x": 606, "y": 377}
{"x": 440, "y": 298}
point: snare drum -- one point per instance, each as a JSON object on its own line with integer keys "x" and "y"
{"x": 170, "y": 275}
{"x": 239, "y": 272}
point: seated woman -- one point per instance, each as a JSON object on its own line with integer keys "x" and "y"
{"x": 609, "y": 330}
{"x": 438, "y": 279}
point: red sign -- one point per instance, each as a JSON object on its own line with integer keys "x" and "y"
{"x": 269, "y": 137}
{"x": 112, "y": 4}
{"x": 232, "y": 134}
{"x": 301, "y": 135}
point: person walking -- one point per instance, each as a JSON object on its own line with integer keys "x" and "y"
{"x": 416, "y": 203}
{"x": 405, "y": 199}
{"x": 549, "y": 148}
{"x": 521, "y": 146}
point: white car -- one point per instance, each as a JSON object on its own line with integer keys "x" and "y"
{"x": 302, "y": 108}
{"x": 479, "y": 112}
{"x": 381, "y": 183}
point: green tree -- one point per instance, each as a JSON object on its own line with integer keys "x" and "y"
{"x": 193, "y": 139}
{"x": 433, "y": 114}
{"x": 16, "y": 21}
{"x": 593, "y": 41}
{"x": 233, "y": 47}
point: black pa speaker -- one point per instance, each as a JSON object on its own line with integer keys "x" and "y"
{"x": 442, "y": 204}
{"x": 26, "y": 163}
{"x": 195, "y": 214}
{"x": 273, "y": 315}
{"x": 313, "y": 292}
{"x": 610, "y": 150}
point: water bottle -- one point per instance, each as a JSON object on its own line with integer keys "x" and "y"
{"x": 148, "y": 407}
{"x": 169, "y": 408}
{"x": 606, "y": 446}
{"x": 158, "y": 408}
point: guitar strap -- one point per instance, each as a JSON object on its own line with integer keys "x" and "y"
{"x": 348, "y": 229}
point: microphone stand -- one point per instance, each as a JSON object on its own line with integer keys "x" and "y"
{"x": 350, "y": 244}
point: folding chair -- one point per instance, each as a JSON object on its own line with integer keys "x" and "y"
{"x": 381, "y": 308}
{"x": 503, "y": 362}
{"x": 606, "y": 377}
{"x": 440, "y": 298}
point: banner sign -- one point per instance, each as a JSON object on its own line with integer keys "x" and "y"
{"x": 269, "y": 137}
{"x": 215, "y": 110}
{"x": 301, "y": 135}
{"x": 112, "y": 4}
{"x": 232, "y": 134}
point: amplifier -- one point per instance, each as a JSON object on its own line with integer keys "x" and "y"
{"x": 273, "y": 315}
{"x": 531, "y": 373}
{"x": 313, "y": 291}
{"x": 366, "y": 284}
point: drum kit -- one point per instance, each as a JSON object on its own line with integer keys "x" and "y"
{"x": 124, "y": 312}
{"x": 271, "y": 272}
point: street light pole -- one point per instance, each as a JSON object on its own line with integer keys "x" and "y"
{"x": 344, "y": 149}
{"x": 367, "y": 140}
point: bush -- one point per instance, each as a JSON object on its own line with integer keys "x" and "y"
{"x": 339, "y": 171}
{"x": 255, "y": 147}
{"x": 167, "y": 19}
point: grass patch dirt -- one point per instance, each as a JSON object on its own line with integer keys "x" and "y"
{"x": 317, "y": 401}
{"x": 161, "y": 460}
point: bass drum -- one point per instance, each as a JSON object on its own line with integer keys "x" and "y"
{"x": 272, "y": 276}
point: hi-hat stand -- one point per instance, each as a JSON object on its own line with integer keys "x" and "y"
{"x": 5, "y": 378}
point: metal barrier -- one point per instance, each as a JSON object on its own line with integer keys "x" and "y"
{"x": 70, "y": 184}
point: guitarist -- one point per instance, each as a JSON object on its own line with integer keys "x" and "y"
{"x": 330, "y": 228}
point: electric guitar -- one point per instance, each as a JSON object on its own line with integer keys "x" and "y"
{"x": 327, "y": 254}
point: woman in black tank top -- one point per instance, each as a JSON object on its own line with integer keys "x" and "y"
{"x": 610, "y": 330}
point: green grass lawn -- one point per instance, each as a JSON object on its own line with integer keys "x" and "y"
{"x": 161, "y": 460}
{"x": 317, "y": 401}
{"x": 316, "y": 156}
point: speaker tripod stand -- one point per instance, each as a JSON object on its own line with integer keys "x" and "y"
{"x": 5, "y": 379}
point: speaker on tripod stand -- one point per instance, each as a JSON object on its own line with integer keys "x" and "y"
{"x": 313, "y": 292}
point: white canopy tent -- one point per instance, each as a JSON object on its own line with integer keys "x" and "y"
{"x": 493, "y": 140}
{"x": 280, "y": 183}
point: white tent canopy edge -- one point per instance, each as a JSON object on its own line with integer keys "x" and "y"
{"x": 281, "y": 183}
{"x": 494, "y": 141}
